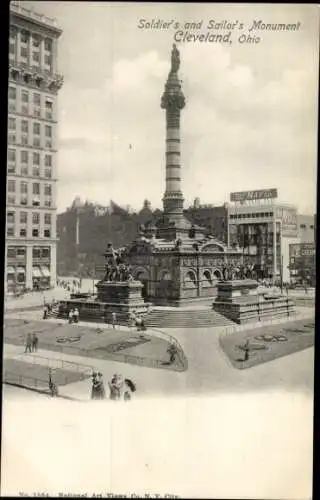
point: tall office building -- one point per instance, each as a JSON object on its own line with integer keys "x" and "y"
{"x": 34, "y": 83}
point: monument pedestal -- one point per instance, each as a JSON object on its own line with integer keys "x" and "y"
{"x": 121, "y": 297}
{"x": 241, "y": 302}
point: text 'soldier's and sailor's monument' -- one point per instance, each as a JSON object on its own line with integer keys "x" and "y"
{"x": 173, "y": 101}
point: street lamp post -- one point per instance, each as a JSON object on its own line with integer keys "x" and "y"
{"x": 281, "y": 274}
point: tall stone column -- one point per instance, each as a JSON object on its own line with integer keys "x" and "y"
{"x": 173, "y": 101}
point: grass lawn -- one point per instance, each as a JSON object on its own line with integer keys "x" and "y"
{"x": 37, "y": 375}
{"x": 266, "y": 344}
{"x": 116, "y": 344}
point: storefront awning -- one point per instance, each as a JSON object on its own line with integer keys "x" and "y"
{"x": 45, "y": 271}
{"x": 10, "y": 270}
{"x": 21, "y": 270}
{"x": 36, "y": 273}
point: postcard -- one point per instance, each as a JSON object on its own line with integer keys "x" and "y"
{"x": 160, "y": 253}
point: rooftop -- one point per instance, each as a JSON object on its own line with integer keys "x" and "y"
{"x": 30, "y": 14}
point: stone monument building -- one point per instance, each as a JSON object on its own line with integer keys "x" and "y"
{"x": 175, "y": 260}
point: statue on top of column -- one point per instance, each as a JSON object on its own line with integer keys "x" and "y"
{"x": 175, "y": 59}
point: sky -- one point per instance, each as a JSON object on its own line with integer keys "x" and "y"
{"x": 250, "y": 121}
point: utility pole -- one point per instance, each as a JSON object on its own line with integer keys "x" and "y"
{"x": 281, "y": 274}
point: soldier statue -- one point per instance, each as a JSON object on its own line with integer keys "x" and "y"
{"x": 175, "y": 59}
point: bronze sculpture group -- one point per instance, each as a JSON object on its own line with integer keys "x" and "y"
{"x": 116, "y": 269}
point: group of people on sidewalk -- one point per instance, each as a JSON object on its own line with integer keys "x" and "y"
{"x": 49, "y": 309}
{"x": 73, "y": 316}
{"x": 31, "y": 343}
{"x": 120, "y": 388}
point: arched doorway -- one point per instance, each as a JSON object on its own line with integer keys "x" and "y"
{"x": 190, "y": 280}
{"x": 217, "y": 275}
{"x": 207, "y": 279}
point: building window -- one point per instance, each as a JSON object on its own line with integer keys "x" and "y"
{"x": 47, "y": 190}
{"x": 36, "y": 171}
{"x": 11, "y": 168}
{"x": 36, "y": 253}
{"x": 47, "y": 202}
{"x": 35, "y": 41}
{"x": 12, "y": 124}
{"x": 36, "y": 99}
{"x": 47, "y": 233}
{"x": 24, "y": 127}
{"x": 25, "y": 96}
{"x": 36, "y": 57}
{"x": 12, "y": 48}
{"x": 11, "y": 155}
{"x": 302, "y": 226}
{"x": 23, "y": 217}
{"x": 35, "y": 233}
{"x": 24, "y": 36}
{"x": 11, "y": 186}
{"x": 35, "y": 218}
{"x": 11, "y": 252}
{"x": 48, "y": 173}
{"x": 11, "y": 138}
{"x": 36, "y": 128}
{"x": 311, "y": 227}
{"x": 10, "y": 231}
{"x": 36, "y": 142}
{"x": 47, "y": 219}
{"x": 11, "y": 199}
{"x": 24, "y": 52}
{"x": 36, "y": 158}
{"x": 46, "y": 252}
{"x": 48, "y": 59}
{"x": 23, "y": 200}
{"x": 21, "y": 251}
{"x": 36, "y": 188}
{"x": 48, "y": 131}
{"x": 48, "y": 160}
{"x": 10, "y": 217}
{"x": 23, "y": 232}
{"x": 48, "y": 44}
{"x": 48, "y": 110}
{"x": 24, "y": 156}
{"x": 24, "y": 169}
{"x": 11, "y": 106}
{"x": 12, "y": 93}
{"x": 23, "y": 187}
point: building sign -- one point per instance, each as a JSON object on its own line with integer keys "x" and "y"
{"x": 289, "y": 221}
{"x": 302, "y": 250}
{"x": 260, "y": 194}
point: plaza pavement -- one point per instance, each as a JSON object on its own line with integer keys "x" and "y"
{"x": 209, "y": 370}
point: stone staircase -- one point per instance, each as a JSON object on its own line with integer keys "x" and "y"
{"x": 185, "y": 318}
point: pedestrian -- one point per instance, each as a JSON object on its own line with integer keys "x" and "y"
{"x": 246, "y": 350}
{"x": 76, "y": 315}
{"x": 70, "y": 316}
{"x": 172, "y": 351}
{"x": 28, "y": 343}
{"x": 45, "y": 312}
{"x": 114, "y": 319}
{"x": 34, "y": 344}
{"x": 115, "y": 385}
{"x": 53, "y": 388}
